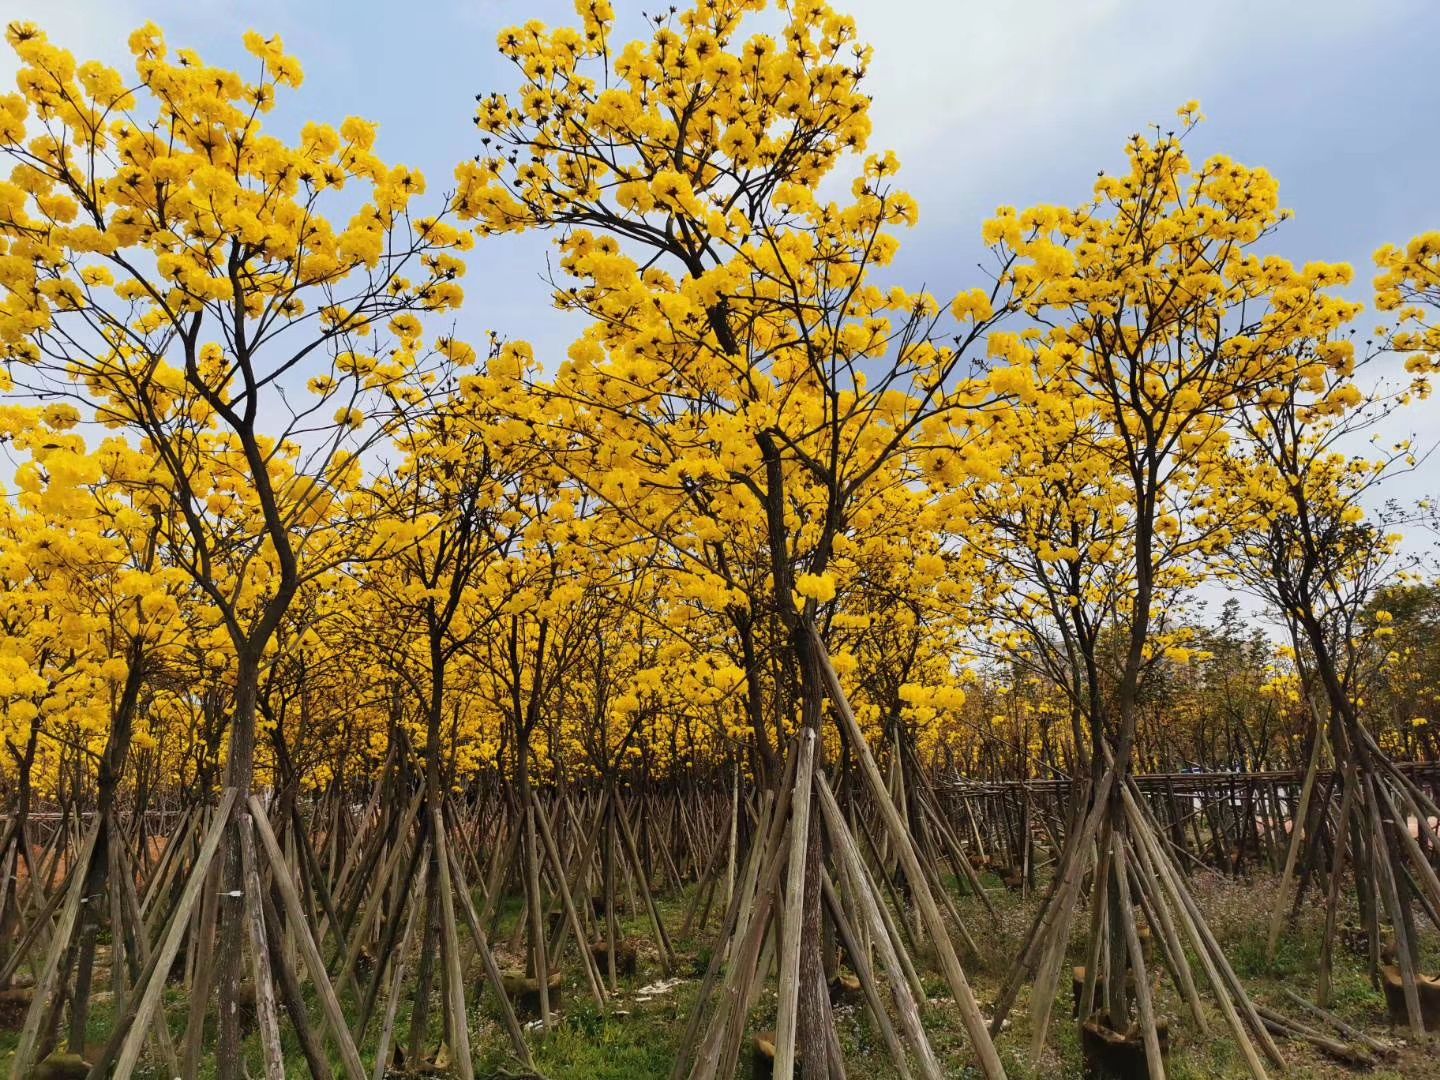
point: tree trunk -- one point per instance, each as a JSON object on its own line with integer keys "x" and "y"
{"x": 239, "y": 774}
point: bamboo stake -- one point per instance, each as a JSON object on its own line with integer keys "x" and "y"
{"x": 48, "y": 982}
{"x": 266, "y": 1012}
{"x": 1383, "y": 1049}
{"x": 540, "y": 957}
{"x": 863, "y": 972}
{"x": 133, "y": 1032}
{"x": 853, "y": 867}
{"x": 748, "y": 904}
{"x": 450, "y": 946}
{"x": 160, "y": 874}
{"x": 935, "y": 926}
{"x": 1332, "y": 900}
{"x": 295, "y": 911}
{"x": 1179, "y": 966}
{"x": 372, "y": 908}
{"x": 139, "y": 954}
{"x": 1390, "y": 893}
{"x": 785, "y": 1022}
{"x": 662, "y": 939}
{"x": 587, "y": 961}
{"x": 1277, "y": 918}
{"x": 1153, "y": 1064}
{"x": 1208, "y": 961}
{"x": 397, "y": 980}
{"x": 736, "y": 994}
{"x": 1047, "y": 983}
{"x": 201, "y": 975}
{"x": 734, "y": 834}
{"x": 492, "y": 969}
{"x": 310, "y": 1044}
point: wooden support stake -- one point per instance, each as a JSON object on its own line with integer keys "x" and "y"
{"x": 955, "y": 975}
{"x": 450, "y": 946}
{"x": 309, "y": 951}
{"x": 48, "y": 982}
{"x": 789, "y": 1004}
{"x": 133, "y": 1032}
{"x": 853, "y": 867}
{"x": 265, "y": 1008}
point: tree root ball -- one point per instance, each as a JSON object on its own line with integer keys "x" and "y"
{"x": 61, "y": 1066}
{"x": 524, "y": 992}
{"x": 845, "y": 989}
{"x": 626, "y": 957}
{"x": 762, "y": 1057}
{"x": 14, "y": 1003}
{"x": 1109, "y": 1055}
{"x": 1428, "y": 989}
{"x": 436, "y": 1067}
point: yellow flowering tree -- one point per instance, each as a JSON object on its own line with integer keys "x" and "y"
{"x": 1156, "y": 310}
{"x": 1310, "y": 549}
{"x": 740, "y": 358}
{"x": 170, "y": 265}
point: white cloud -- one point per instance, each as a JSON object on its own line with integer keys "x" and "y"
{"x": 974, "y": 89}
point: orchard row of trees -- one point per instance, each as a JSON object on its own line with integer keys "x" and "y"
{"x": 376, "y": 616}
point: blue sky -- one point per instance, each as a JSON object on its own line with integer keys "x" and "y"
{"x": 984, "y": 102}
